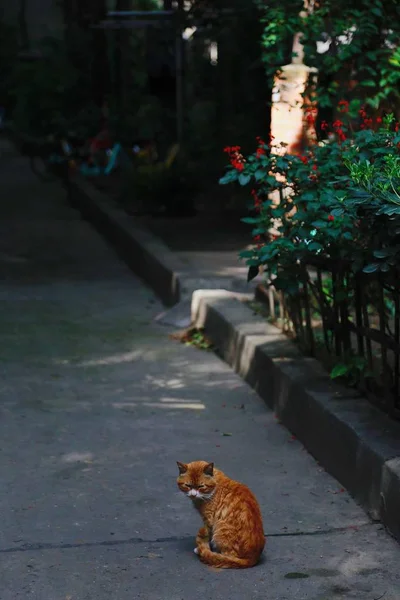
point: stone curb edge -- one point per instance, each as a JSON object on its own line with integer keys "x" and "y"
{"x": 351, "y": 439}
{"x": 144, "y": 253}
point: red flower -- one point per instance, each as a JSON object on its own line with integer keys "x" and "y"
{"x": 339, "y": 131}
{"x": 362, "y": 112}
{"x": 379, "y": 119}
{"x": 310, "y": 119}
{"x": 232, "y": 149}
{"x": 324, "y": 126}
{"x": 396, "y": 127}
{"x": 303, "y": 159}
{"x": 314, "y": 167}
{"x": 258, "y": 240}
{"x": 260, "y": 152}
{"x": 331, "y": 218}
{"x": 237, "y": 160}
{"x": 343, "y": 106}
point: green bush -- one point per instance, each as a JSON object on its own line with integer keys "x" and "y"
{"x": 339, "y": 202}
{"x": 361, "y": 57}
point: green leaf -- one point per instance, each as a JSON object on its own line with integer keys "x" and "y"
{"x": 337, "y": 212}
{"x": 318, "y": 224}
{"x": 381, "y": 253}
{"x": 258, "y": 175}
{"x": 252, "y": 273}
{"x": 296, "y": 575}
{"x": 390, "y": 211}
{"x": 333, "y": 233}
{"x": 307, "y": 196}
{"x": 246, "y": 254}
{"x": 229, "y": 177}
{"x": 368, "y": 83}
{"x": 250, "y": 220}
{"x": 314, "y": 246}
{"x": 339, "y": 370}
{"x": 253, "y": 262}
{"x": 244, "y": 179}
{"x": 371, "y": 268}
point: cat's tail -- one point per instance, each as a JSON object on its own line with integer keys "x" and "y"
{"x": 224, "y": 561}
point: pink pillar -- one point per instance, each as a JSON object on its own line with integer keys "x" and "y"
{"x": 290, "y": 129}
{"x": 288, "y": 119}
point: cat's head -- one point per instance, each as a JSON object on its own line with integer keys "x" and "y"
{"x": 196, "y": 479}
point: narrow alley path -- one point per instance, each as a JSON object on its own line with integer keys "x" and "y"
{"x": 96, "y": 406}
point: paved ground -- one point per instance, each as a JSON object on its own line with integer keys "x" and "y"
{"x": 96, "y": 406}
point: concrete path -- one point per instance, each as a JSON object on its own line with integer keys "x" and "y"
{"x": 96, "y": 406}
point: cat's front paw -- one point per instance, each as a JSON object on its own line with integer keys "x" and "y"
{"x": 196, "y": 550}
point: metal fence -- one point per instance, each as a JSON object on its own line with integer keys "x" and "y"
{"x": 349, "y": 322}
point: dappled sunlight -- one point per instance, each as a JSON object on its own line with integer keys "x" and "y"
{"x": 205, "y": 368}
{"x": 163, "y": 403}
{"x": 232, "y": 272}
{"x": 353, "y": 565}
{"x": 114, "y": 359}
{"x": 159, "y": 382}
{"x": 111, "y": 360}
{"x": 72, "y": 457}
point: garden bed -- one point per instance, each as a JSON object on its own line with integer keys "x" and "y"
{"x": 334, "y": 254}
{"x": 370, "y": 360}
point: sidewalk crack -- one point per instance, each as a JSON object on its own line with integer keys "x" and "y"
{"x": 165, "y": 540}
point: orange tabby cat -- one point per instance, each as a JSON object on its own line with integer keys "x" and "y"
{"x": 233, "y": 534}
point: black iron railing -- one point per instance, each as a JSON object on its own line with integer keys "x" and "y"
{"x": 351, "y": 323}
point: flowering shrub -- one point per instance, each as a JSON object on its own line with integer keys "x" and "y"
{"x": 354, "y": 46}
{"x": 339, "y": 201}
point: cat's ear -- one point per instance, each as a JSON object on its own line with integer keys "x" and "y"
{"x": 209, "y": 469}
{"x": 182, "y": 467}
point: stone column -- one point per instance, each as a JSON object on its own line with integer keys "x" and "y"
{"x": 290, "y": 129}
{"x": 288, "y": 123}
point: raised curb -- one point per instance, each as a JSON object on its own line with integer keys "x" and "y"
{"x": 145, "y": 254}
{"x": 351, "y": 439}
{"x": 171, "y": 278}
